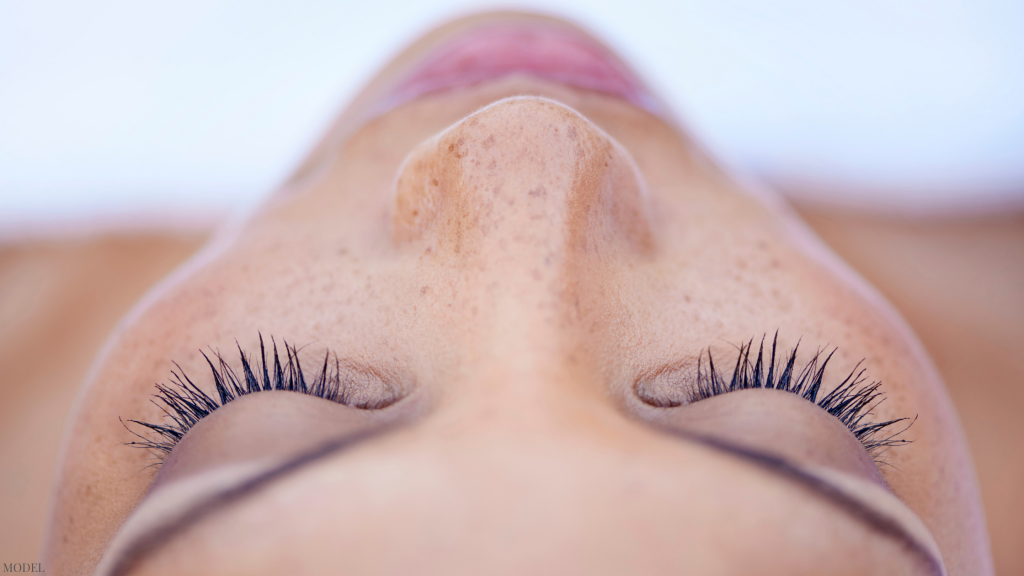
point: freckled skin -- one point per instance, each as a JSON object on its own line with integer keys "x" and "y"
{"x": 574, "y": 178}
{"x": 520, "y": 254}
{"x": 554, "y": 194}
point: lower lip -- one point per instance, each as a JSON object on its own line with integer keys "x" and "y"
{"x": 544, "y": 52}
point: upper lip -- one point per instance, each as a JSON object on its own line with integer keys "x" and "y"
{"x": 544, "y": 50}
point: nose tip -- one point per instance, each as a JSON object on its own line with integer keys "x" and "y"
{"x": 525, "y": 171}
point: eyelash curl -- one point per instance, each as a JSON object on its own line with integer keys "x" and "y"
{"x": 184, "y": 404}
{"x": 852, "y": 402}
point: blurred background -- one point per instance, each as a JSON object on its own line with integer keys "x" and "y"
{"x": 116, "y": 106}
{"x": 129, "y": 129}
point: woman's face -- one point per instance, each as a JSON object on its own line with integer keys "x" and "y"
{"x": 518, "y": 276}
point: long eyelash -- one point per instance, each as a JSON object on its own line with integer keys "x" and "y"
{"x": 184, "y": 404}
{"x": 852, "y": 402}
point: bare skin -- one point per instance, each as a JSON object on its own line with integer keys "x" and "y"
{"x": 515, "y": 257}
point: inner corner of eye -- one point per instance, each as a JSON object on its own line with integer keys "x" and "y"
{"x": 370, "y": 393}
{"x": 664, "y": 390}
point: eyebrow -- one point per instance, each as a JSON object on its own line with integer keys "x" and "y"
{"x": 873, "y": 518}
{"x": 156, "y": 538}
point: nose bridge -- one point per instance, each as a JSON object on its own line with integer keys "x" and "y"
{"x": 519, "y": 202}
{"x": 525, "y": 403}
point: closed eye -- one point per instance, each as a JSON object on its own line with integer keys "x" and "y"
{"x": 852, "y": 402}
{"x": 184, "y": 404}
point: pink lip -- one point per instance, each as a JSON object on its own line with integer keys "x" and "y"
{"x": 543, "y": 51}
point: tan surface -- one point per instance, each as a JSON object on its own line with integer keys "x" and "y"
{"x": 58, "y": 302}
{"x": 959, "y": 284}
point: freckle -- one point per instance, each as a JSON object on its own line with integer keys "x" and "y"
{"x": 434, "y": 182}
{"x": 343, "y": 252}
{"x": 474, "y": 311}
{"x": 687, "y": 298}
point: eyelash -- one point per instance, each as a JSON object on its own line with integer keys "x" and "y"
{"x": 852, "y": 402}
{"x": 185, "y": 404}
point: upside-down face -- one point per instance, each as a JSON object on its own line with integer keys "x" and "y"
{"x": 510, "y": 319}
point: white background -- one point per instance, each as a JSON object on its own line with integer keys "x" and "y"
{"x": 130, "y": 107}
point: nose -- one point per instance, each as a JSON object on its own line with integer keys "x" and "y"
{"x": 521, "y": 208}
{"x": 525, "y": 175}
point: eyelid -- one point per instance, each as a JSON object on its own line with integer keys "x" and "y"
{"x": 263, "y": 427}
{"x": 782, "y": 424}
{"x": 185, "y": 404}
{"x": 851, "y": 402}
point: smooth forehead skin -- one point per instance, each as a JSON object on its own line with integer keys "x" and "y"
{"x": 519, "y": 252}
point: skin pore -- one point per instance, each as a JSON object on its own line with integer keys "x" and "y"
{"x": 514, "y": 258}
